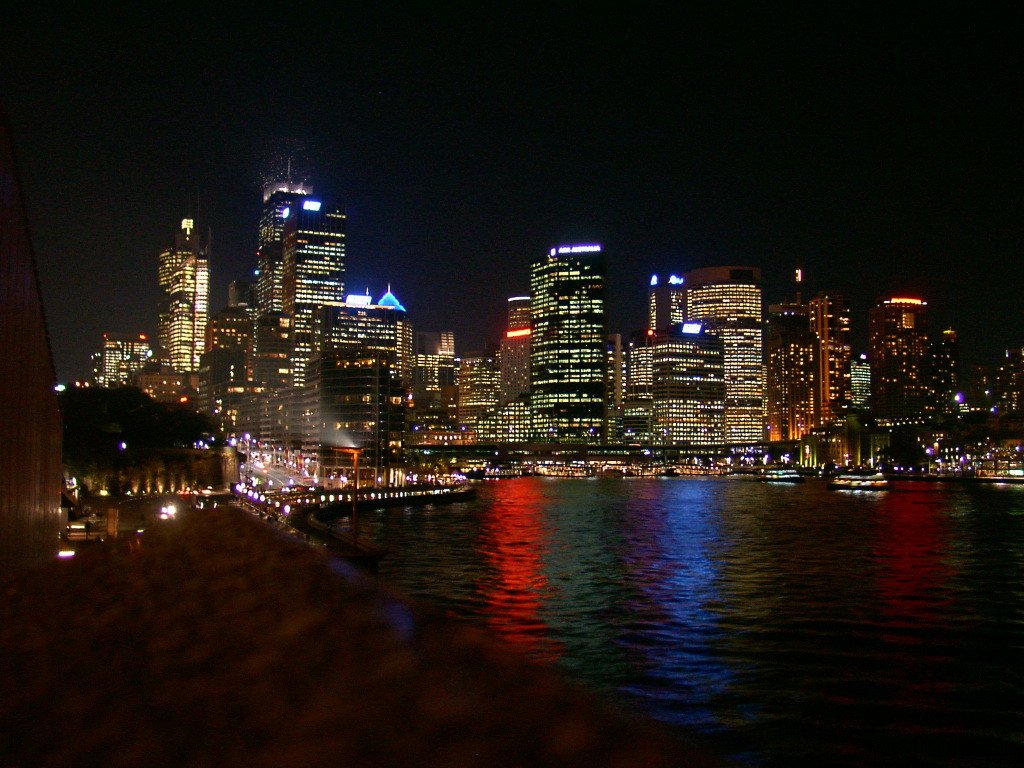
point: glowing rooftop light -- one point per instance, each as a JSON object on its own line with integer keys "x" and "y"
{"x": 904, "y": 300}
{"x": 654, "y": 280}
{"x": 579, "y": 248}
{"x": 286, "y": 212}
{"x": 674, "y": 280}
{"x": 311, "y": 205}
{"x": 357, "y": 300}
{"x": 691, "y": 328}
{"x": 517, "y": 334}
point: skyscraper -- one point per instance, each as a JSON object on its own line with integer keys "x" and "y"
{"x": 636, "y": 407}
{"x": 313, "y": 272}
{"x": 567, "y": 348}
{"x": 279, "y": 199}
{"x": 900, "y": 370}
{"x": 791, "y": 372}
{"x": 945, "y": 356}
{"x": 860, "y": 382}
{"x": 666, "y": 302}
{"x": 360, "y": 324}
{"x": 123, "y": 355}
{"x": 184, "y": 277}
{"x": 830, "y": 321}
{"x": 688, "y": 389}
{"x": 727, "y": 300}
{"x": 514, "y": 354}
{"x": 479, "y": 388}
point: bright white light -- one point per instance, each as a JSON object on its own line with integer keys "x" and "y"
{"x": 59, "y": 388}
{"x": 66, "y": 553}
{"x": 311, "y": 205}
{"x": 691, "y": 327}
{"x": 579, "y": 248}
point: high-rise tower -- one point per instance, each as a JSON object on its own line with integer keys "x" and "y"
{"x": 727, "y": 300}
{"x": 313, "y": 272}
{"x": 900, "y": 380}
{"x": 567, "y": 348}
{"x": 666, "y": 302}
{"x": 830, "y": 321}
{"x": 791, "y": 372}
{"x": 514, "y": 354}
{"x": 184, "y": 277}
{"x": 278, "y": 201}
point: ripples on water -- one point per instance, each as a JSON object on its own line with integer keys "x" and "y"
{"x": 786, "y": 624}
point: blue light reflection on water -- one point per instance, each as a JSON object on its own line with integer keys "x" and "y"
{"x": 784, "y": 624}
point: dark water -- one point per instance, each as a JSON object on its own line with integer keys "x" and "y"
{"x": 783, "y": 624}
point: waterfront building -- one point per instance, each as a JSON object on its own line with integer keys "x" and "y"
{"x": 688, "y": 389}
{"x": 792, "y": 389}
{"x": 514, "y": 354}
{"x": 479, "y": 388}
{"x": 615, "y": 389}
{"x": 360, "y": 323}
{"x": 830, "y": 321}
{"x": 860, "y": 382}
{"x": 666, "y": 302}
{"x": 184, "y": 277}
{"x": 121, "y": 357}
{"x": 1008, "y": 383}
{"x": 279, "y": 200}
{"x": 567, "y": 348}
{"x": 509, "y": 423}
{"x": 357, "y": 400}
{"x": 636, "y": 405}
{"x": 313, "y": 272}
{"x": 901, "y": 391}
{"x": 727, "y": 301}
{"x": 945, "y": 358}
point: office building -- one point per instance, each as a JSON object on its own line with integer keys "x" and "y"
{"x": 830, "y": 321}
{"x": 666, "y": 302}
{"x": 279, "y": 200}
{"x": 860, "y": 382}
{"x": 514, "y": 354}
{"x": 791, "y": 372}
{"x": 184, "y": 277}
{"x": 227, "y": 366}
{"x": 362, "y": 324}
{"x": 636, "y": 405}
{"x": 356, "y": 400}
{"x": 901, "y": 389}
{"x": 688, "y": 389}
{"x": 479, "y": 388}
{"x": 727, "y": 301}
{"x": 313, "y": 272}
{"x": 945, "y": 358}
{"x": 567, "y": 348}
{"x": 123, "y": 355}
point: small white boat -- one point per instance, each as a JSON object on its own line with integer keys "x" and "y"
{"x": 781, "y": 475}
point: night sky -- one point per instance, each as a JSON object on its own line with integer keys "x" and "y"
{"x": 879, "y": 150}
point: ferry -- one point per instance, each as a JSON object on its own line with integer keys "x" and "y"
{"x": 859, "y": 480}
{"x": 781, "y": 475}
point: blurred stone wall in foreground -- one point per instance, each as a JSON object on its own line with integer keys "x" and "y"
{"x": 30, "y": 428}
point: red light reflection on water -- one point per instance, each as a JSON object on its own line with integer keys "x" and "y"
{"x": 513, "y": 540}
{"x": 913, "y": 547}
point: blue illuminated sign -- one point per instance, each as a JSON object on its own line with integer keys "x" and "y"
{"x": 311, "y": 205}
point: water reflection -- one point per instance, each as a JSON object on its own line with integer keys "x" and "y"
{"x": 789, "y": 625}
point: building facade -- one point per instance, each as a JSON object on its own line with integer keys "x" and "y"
{"x": 313, "y": 273}
{"x": 184, "y": 277}
{"x": 727, "y": 301}
{"x": 830, "y": 320}
{"x": 666, "y": 302}
{"x": 792, "y": 390}
{"x": 901, "y": 389}
{"x": 568, "y": 366}
{"x": 123, "y": 355}
{"x": 514, "y": 354}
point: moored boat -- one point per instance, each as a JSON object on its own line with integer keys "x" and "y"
{"x": 781, "y": 475}
{"x": 859, "y": 480}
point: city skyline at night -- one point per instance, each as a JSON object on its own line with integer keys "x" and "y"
{"x": 874, "y": 150}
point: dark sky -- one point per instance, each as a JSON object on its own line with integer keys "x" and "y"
{"x": 878, "y": 149}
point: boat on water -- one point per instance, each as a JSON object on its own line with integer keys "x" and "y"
{"x": 859, "y": 480}
{"x": 781, "y": 475}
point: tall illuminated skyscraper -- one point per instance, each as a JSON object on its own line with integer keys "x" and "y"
{"x": 791, "y": 372}
{"x": 184, "y": 277}
{"x": 567, "y": 348}
{"x": 361, "y": 324}
{"x": 688, "y": 389}
{"x": 727, "y": 300}
{"x": 514, "y": 354}
{"x": 945, "y": 358}
{"x": 830, "y": 321}
{"x": 313, "y": 272}
{"x": 278, "y": 198}
{"x": 666, "y": 302}
{"x": 860, "y": 382}
{"x": 900, "y": 371}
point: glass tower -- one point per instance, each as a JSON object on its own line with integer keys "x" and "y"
{"x": 184, "y": 277}
{"x": 313, "y": 273}
{"x": 567, "y": 348}
{"x": 727, "y": 300}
